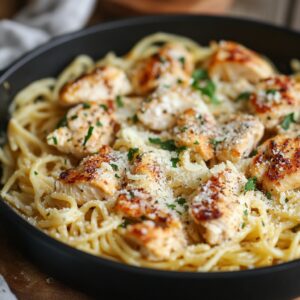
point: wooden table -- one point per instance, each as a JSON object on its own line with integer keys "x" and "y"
{"x": 26, "y": 281}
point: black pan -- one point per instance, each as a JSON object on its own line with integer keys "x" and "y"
{"x": 99, "y": 276}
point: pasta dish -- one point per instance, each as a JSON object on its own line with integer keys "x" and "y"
{"x": 174, "y": 156}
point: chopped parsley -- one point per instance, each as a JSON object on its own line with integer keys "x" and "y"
{"x": 119, "y": 101}
{"x": 35, "y": 173}
{"x": 171, "y": 206}
{"x": 104, "y": 107}
{"x": 88, "y": 135}
{"x": 99, "y": 124}
{"x": 174, "y": 161}
{"x": 205, "y": 85}
{"x": 166, "y": 145}
{"x": 54, "y": 140}
{"x": 245, "y": 212}
{"x": 131, "y": 153}
{"x": 243, "y": 96}
{"x": 243, "y": 225}
{"x": 74, "y": 117}
{"x": 269, "y": 195}
{"x": 196, "y": 143}
{"x": 253, "y": 153}
{"x": 288, "y": 119}
{"x": 215, "y": 142}
{"x": 182, "y": 60}
{"x": 183, "y": 129}
{"x": 181, "y": 201}
{"x": 271, "y": 92}
{"x": 63, "y": 122}
{"x": 251, "y": 184}
{"x": 125, "y": 223}
{"x": 117, "y": 176}
{"x": 115, "y": 167}
{"x": 86, "y": 105}
{"x": 134, "y": 118}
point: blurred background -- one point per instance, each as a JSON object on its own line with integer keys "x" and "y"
{"x": 25, "y": 24}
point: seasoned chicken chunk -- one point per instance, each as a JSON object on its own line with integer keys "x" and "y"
{"x": 159, "y": 111}
{"x": 216, "y": 207}
{"x": 171, "y": 64}
{"x": 145, "y": 189}
{"x": 231, "y": 61}
{"x": 101, "y": 84}
{"x": 89, "y": 126}
{"x": 157, "y": 241}
{"x": 238, "y": 137}
{"x": 277, "y": 164}
{"x": 196, "y": 130}
{"x": 96, "y": 177}
{"x": 274, "y": 98}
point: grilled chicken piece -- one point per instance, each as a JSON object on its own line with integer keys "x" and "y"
{"x": 157, "y": 241}
{"x": 274, "y": 98}
{"x": 95, "y": 176}
{"x": 145, "y": 191}
{"x": 173, "y": 63}
{"x": 88, "y": 127}
{"x": 238, "y": 137}
{"x": 159, "y": 111}
{"x": 277, "y": 164}
{"x": 231, "y": 61}
{"x": 216, "y": 207}
{"x": 196, "y": 130}
{"x": 101, "y": 84}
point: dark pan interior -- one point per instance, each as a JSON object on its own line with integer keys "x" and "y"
{"x": 99, "y": 276}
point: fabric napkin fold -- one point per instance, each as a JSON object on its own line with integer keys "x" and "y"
{"x": 38, "y": 22}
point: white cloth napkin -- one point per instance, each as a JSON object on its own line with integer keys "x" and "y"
{"x": 38, "y": 22}
{"x": 5, "y": 292}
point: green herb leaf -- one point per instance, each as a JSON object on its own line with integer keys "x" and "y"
{"x": 115, "y": 167}
{"x": 125, "y": 223}
{"x": 119, "y": 101}
{"x": 181, "y": 201}
{"x": 171, "y": 206}
{"x": 182, "y": 60}
{"x": 288, "y": 119}
{"x": 104, "y": 107}
{"x": 174, "y": 161}
{"x": 131, "y": 153}
{"x": 99, "y": 124}
{"x": 54, "y": 140}
{"x": 243, "y": 96}
{"x": 135, "y": 118}
{"x": 269, "y": 195}
{"x": 200, "y": 74}
{"x": 251, "y": 184}
{"x": 166, "y": 145}
{"x": 88, "y": 135}
{"x": 63, "y": 122}
{"x": 86, "y": 105}
{"x": 117, "y": 176}
{"x": 271, "y": 92}
{"x": 35, "y": 173}
{"x": 74, "y": 117}
{"x": 253, "y": 153}
{"x": 196, "y": 143}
